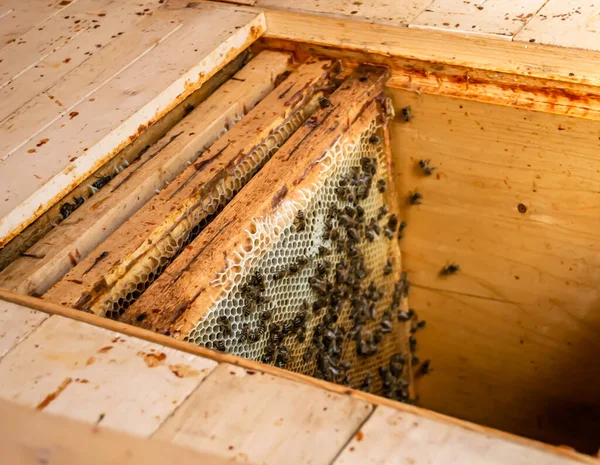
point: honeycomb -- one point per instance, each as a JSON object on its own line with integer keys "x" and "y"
{"x": 149, "y": 266}
{"x": 295, "y": 276}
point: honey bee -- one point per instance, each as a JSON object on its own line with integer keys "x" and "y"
{"x": 406, "y": 114}
{"x": 293, "y": 268}
{"x": 299, "y": 319}
{"x": 424, "y": 164}
{"x": 353, "y": 235}
{"x": 367, "y": 383}
{"x": 387, "y": 232}
{"x": 318, "y": 285}
{"x": 224, "y": 325}
{"x": 300, "y": 221}
{"x": 243, "y": 334}
{"x": 253, "y": 336}
{"x": 261, "y": 329}
{"x": 413, "y": 343}
{"x": 381, "y": 186}
{"x": 388, "y": 268}
{"x": 382, "y": 212}
{"x": 265, "y": 315}
{"x": 249, "y": 308}
{"x": 319, "y": 304}
{"x": 374, "y": 139}
{"x": 324, "y": 102}
{"x": 287, "y": 328}
{"x": 277, "y": 276}
{"x": 220, "y": 345}
{"x": 415, "y": 198}
{"x": 425, "y": 367}
{"x": 392, "y": 222}
{"x": 417, "y": 326}
{"x": 449, "y": 269}
{"x": 323, "y": 250}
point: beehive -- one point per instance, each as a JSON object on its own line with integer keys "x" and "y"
{"x": 501, "y": 150}
{"x": 311, "y": 279}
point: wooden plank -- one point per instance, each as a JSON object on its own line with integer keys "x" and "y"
{"x": 186, "y": 291}
{"x": 88, "y": 318}
{"x": 473, "y": 52}
{"x": 253, "y": 416}
{"x": 18, "y": 17}
{"x": 159, "y": 230}
{"x": 94, "y": 221}
{"x": 98, "y": 29}
{"x": 80, "y": 83}
{"x": 513, "y": 200}
{"x": 16, "y": 323}
{"x": 392, "y": 437}
{"x": 398, "y": 13}
{"x": 43, "y": 41}
{"x": 496, "y": 18}
{"x": 102, "y": 127}
{"x": 99, "y": 376}
{"x": 566, "y": 23}
{"x": 28, "y": 437}
{"x": 518, "y": 91}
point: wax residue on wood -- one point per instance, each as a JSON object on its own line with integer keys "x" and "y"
{"x": 182, "y": 370}
{"x": 153, "y": 360}
{"x": 53, "y": 395}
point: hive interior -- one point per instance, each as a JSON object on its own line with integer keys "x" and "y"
{"x": 148, "y": 267}
{"x": 294, "y": 277}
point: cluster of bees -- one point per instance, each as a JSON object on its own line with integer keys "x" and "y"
{"x": 69, "y": 207}
{"x": 338, "y": 285}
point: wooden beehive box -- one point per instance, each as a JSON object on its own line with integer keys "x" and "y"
{"x": 368, "y": 206}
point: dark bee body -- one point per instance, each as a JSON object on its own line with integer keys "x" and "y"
{"x": 449, "y": 269}
{"x": 406, "y": 114}
{"x": 425, "y": 367}
{"x": 417, "y": 326}
{"x": 415, "y": 198}
{"x": 300, "y": 221}
{"x": 367, "y": 383}
{"x": 381, "y": 187}
{"x": 243, "y": 334}
{"x": 388, "y": 268}
{"x": 220, "y": 345}
{"x": 374, "y": 139}
{"x": 224, "y": 325}
{"x": 424, "y": 164}
{"x": 324, "y": 102}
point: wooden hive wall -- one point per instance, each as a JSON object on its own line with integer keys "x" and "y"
{"x": 513, "y": 336}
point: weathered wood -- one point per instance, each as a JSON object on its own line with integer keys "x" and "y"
{"x": 252, "y": 416}
{"x": 439, "y": 48}
{"x": 131, "y": 154}
{"x": 398, "y": 13}
{"x": 160, "y": 228}
{"x": 392, "y": 437}
{"x": 566, "y": 23}
{"x": 107, "y": 63}
{"x": 454, "y": 423}
{"x": 427, "y": 77}
{"x": 96, "y": 24}
{"x": 18, "y": 17}
{"x": 16, "y": 322}
{"x": 513, "y": 201}
{"x": 94, "y": 221}
{"x": 496, "y": 18}
{"x": 28, "y": 437}
{"x": 98, "y": 376}
{"x": 94, "y": 131}
{"x": 185, "y": 291}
